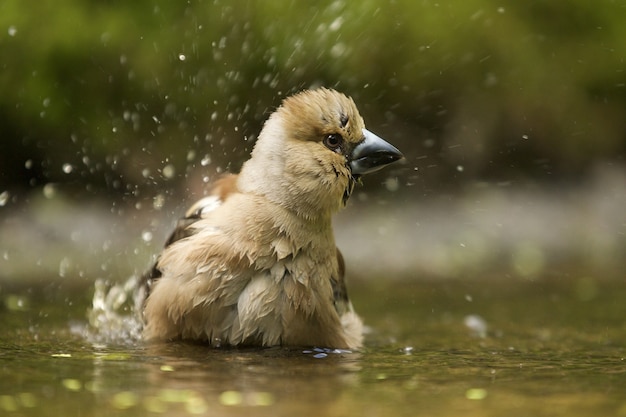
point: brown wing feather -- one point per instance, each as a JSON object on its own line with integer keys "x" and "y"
{"x": 340, "y": 291}
{"x": 223, "y": 187}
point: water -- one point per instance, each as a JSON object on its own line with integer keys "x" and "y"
{"x": 544, "y": 348}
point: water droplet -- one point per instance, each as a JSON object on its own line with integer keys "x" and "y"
{"x": 169, "y": 171}
{"x": 181, "y": 57}
{"x": 4, "y": 198}
{"x": 476, "y": 324}
{"x": 146, "y": 236}
{"x": 205, "y": 161}
{"x": 16, "y": 303}
{"x": 158, "y": 201}
{"x": 12, "y": 31}
{"x": 49, "y": 190}
{"x": 67, "y": 168}
{"x": 64, "y": 266}
{"x": 336, "y": 24}
{"x": 460, "y": 168}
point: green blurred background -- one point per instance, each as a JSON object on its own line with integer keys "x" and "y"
{"x": 105, "y": 94}
{"x": 123, "y": 100}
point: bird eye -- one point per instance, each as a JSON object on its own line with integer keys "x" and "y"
{"x": 333, "y": 142}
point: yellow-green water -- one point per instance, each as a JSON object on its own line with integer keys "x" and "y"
{"x": 549, "y": 349}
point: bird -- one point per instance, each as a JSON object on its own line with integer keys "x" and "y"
{"x": 255, "y": 263}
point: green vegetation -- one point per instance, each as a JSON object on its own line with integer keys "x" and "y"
{"x": 106, "y": 94}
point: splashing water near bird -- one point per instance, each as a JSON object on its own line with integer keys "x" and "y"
{"x": 115, "y": 315}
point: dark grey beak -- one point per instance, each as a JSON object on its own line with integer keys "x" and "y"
{"x": 372, "y": 154}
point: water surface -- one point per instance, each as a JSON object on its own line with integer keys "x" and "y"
{"x": 507, "y": 347}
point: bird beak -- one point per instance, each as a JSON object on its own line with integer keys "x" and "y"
{"x": 372, "y": 154}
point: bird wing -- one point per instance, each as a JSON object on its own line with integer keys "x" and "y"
{"x": 201, "y": 209}
{"x": 340, "y": 291}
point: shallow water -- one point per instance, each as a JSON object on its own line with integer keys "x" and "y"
{"x": 487, "y": 348}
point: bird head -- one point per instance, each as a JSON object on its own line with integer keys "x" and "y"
{"x": 311, "y": 152}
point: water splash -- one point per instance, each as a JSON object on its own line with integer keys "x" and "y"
{"x": 115, "y": 315}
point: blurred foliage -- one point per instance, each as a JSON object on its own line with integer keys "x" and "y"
{"x": 125, "y": 95}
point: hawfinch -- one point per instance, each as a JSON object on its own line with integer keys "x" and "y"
{"x": 255, "y": 262}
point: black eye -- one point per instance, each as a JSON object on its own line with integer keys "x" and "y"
{"x": 333, "y": 142}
